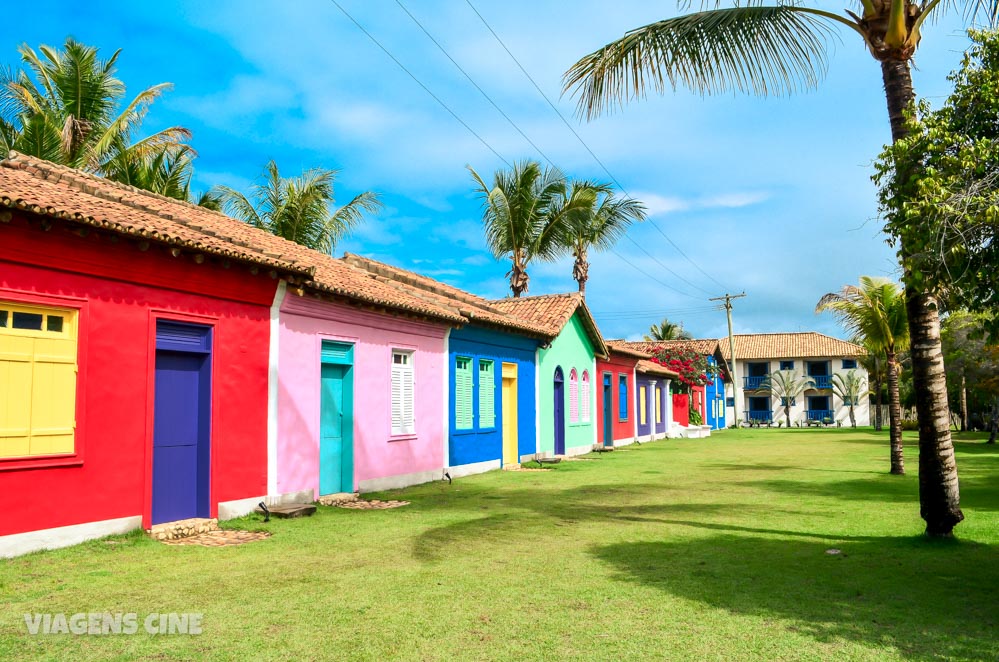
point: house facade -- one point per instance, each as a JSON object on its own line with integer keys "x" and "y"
{"x": 653, "y": 401}
{"x": 491, "y": 374}
{"x": 133, "y": 358}
{"x": 616, "y": 408}
{"x": 567, "y": 422}
{"x": 812, "y": 355}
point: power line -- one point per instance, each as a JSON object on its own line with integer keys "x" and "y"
{"x": 420, "y": 83}
{"x": 500, "y": 157}
{"x": 587, "y": 147}
{"x": 474, "y": 84}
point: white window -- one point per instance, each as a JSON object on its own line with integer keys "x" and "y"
{"x": 403, "y": 393}
{"x": 584, "y": 397}
{"x": 573, "y": 397}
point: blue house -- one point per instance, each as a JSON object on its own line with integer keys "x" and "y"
{"x": 492, "y": 380}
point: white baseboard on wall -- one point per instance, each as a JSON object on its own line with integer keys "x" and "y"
{"x": 17, "y": 544}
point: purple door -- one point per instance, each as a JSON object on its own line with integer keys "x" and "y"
{"x": 181, "y": 422}
{"x": 559, "y": 412}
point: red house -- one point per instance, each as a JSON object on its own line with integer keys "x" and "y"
{"x": 135, "y": 332}
{"x": 616, "y": 395}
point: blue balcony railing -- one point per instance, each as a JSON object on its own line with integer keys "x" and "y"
{"x": 761, "y": 415}
{"x": 821, "y": 381}
{"x": 820, "y": 414}
{"x": 753, "y": 383}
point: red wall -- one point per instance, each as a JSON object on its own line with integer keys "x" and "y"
{"x": 617, "y": 365}
{"x": 110, "y": 476}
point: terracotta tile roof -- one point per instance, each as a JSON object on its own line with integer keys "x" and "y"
{"x": 705, "y": 347}
{"x": 653, "y": 368}
{"x": 469, "y": 306}
{"x": 624, "y": 347}
{"x": 41, "y": 187}
{"x": 552, "y": 312}
{"x": 789, "y": 346}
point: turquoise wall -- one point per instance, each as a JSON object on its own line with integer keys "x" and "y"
{"x": 570, "y": 349}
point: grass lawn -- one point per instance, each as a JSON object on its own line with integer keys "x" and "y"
{"x": 682, "y": 549}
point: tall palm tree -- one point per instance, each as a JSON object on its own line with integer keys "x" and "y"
{"x": 875, "y": 312}
{"x": 849, "y": 388}
{"x": 298, "y": 208}
{"x": 65, "y": 107}
{"x": 598, "y": 225}
{"x": 525, "y": 213}
{"x": 667, "y": 330}
{"x": 779, "y": 48}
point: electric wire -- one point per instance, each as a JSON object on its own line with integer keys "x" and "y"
{"x": 419, "y": 82}
{"x": 590, "y": 151}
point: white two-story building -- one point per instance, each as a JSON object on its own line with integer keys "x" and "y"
{"x": 810, "y": 354}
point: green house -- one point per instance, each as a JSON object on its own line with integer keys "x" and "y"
{"x": 567, "y": 376}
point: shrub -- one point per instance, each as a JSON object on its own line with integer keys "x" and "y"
{"x": 909, "y": 424}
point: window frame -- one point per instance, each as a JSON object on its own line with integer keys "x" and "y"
{"x": 787, "y": 365}
{"x": 477, "y": 391}
{"x": 80, "y": 307}
{"x": 622, "y": 395}
{"x": 402, "y": 432}
{"x": 471, "y": 395}
{"x": 852, "y": 366}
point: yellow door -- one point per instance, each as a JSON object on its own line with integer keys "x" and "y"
{"x": 510, "y": 453}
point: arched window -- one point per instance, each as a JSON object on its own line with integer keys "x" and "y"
{"x": 573, "y": 396}
{"x": 584, "y": 398}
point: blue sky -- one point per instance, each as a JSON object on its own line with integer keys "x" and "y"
{"x": 771, "y": 196}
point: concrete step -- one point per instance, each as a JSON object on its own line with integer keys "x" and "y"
{"x": 511, "y": 466}
{"x": 289, "y": 510}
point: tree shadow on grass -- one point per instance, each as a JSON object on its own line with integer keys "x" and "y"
{"x": 929, "y": 600}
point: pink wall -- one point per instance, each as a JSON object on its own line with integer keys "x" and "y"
{"x": 305, "y": 323}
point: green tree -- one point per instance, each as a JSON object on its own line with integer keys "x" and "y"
{"x": 874, "y": 364}
{"x": 667, "y": 330}
{"x": 850, "y": 388}
{"x": 780, "y": 48}
{"x": 525, "y": 212}
{"x": 598, "y": 225}
{"x": 786, "y": 386}
{"x": 298, "y": 208}
{"x": 65, "y": 106}
{"x": 875, "y": 313}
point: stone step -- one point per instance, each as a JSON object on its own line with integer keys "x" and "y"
{"x": 603, "y": 449}
{"x": 511, "y": 466}
{"x": 184, "y": 528}
{"x": 337, "y": 499}
{"x": 550, "y": 460}
{"x": 289, "y": 510}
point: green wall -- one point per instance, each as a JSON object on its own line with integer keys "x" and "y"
{"x": 571, "y": 349}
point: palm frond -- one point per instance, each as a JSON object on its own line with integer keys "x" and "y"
{"x": 756, "y": 49}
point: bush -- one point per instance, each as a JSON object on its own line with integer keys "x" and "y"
{"x": 695, "y": 417}
{"x": 909, "y": 424}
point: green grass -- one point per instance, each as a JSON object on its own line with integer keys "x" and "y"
{"x": 683, "y": 549}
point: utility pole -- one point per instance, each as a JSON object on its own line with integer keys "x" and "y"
{"x": 737, "y": 400}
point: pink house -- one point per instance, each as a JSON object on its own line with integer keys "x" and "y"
{"x": 360, "y": 395}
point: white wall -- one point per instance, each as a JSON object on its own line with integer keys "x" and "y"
{"x": 842, "y": 413}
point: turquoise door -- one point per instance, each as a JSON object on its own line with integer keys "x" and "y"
{"x": 336, "y": 452}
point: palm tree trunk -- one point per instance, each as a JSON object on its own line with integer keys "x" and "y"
{"x": 518, "y": 276}
{"x": 787, "y": 415}
{"x": 581, "y": 271}
{"x": 993, "y": 422}
{"x": 964, "y": 403}
{"x": 877, "y": 395}
{"x": 894, "y": 417}
{"x": 939, "y": 494}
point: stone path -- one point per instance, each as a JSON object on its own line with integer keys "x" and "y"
{"x": 374, "y": 504}
{"x": 220, "y": 538}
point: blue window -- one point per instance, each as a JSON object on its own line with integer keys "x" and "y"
{"x": 787, "y": 365}
{"x": 729, "y": 402}
{"x": 783, "y": 402}
{"x": 849, "y": 364}
{"x": 622, "y": 399}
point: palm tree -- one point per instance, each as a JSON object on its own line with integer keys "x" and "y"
{"x": 849, "y": 388}
{"x": 65, "y": 107}
{"x": 598, "y": 225}
{"x": 525, "y": 214}
{"x": 667, "y": 330}
{"x": 786, "y": 385}
{"x": 874, "y": 364}
{"x": 297, "y": 208}
{"x": 776, "y": 49}
{"x": 875, "y": 312}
